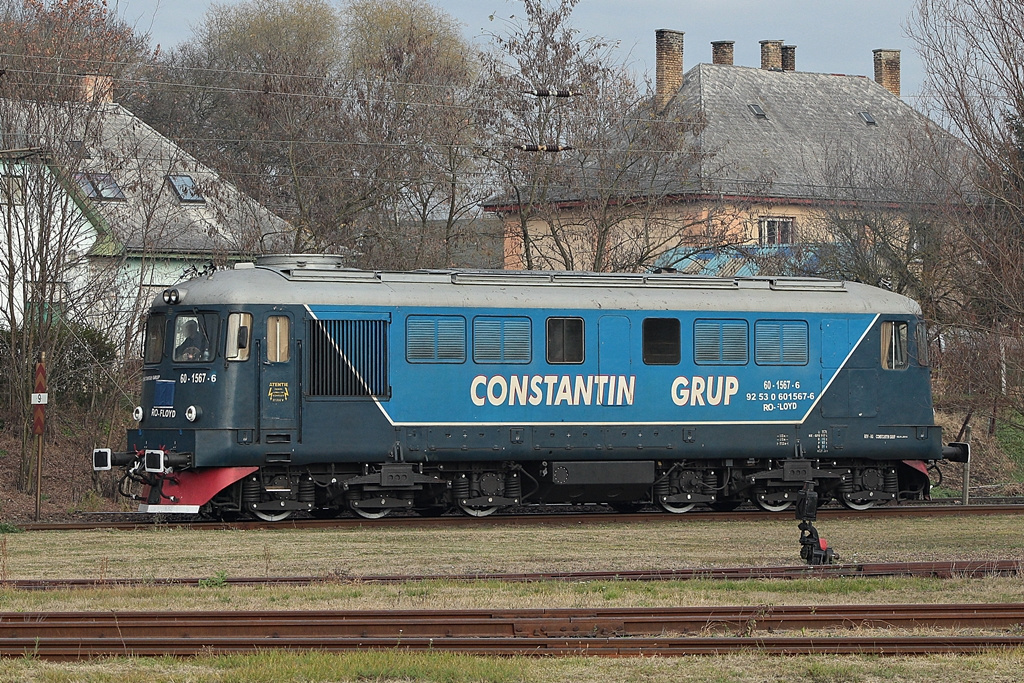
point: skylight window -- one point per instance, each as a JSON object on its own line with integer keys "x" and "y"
{"x": 100, "y": 186}
{"x": 868, "y": 118}
{"x": 757, "y": 111}
{"x": 185, "y": 187}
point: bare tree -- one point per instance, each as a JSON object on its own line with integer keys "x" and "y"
{"x": 592, "y": 173}
{"x": 975, "y": 81}
{"x": 416, "y": 79}
{"x": 45, "y": 295}
{"x": 353, "y": 124}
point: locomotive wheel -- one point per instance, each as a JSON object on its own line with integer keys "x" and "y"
{"x": 771, "y": 507}
{"x": 676, "y": 509}
{"x": 476, "y": 511}
{"x": 852, "y": 503}
{"x": 375, "y": 513}
{"x": 272, "y": 516}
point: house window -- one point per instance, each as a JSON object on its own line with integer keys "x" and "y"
{"x": 12, "y": 190}
{"x": 757, "y": 111}
{"x": 565, "y": 340}
{"x": 773, "y": 230}
{"x": 185, "y": 188}
{"x": 101, "y": 186}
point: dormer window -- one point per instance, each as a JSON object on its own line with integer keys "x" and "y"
{"x": 868, "y": 118}
{"x": 757, "y": 111}
{"x": 101, "y": 186}
{"x": 185, "y": 188}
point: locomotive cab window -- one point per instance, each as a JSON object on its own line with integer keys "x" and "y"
{"x": 661, "y": 341}
{"x": 278, "y": 339}
{"x": 239, "y": 336}
{"x": 565, "y": 340}
{"x": 894, "y": 345}
{"x": 193, "y": 335}
{"x": 156, "y": 330}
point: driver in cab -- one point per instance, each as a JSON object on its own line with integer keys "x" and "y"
{"x": 195, "y": 344}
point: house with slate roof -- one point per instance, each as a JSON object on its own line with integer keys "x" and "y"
{"x": 781, "y": 148}
{"x": 117, "y": 210}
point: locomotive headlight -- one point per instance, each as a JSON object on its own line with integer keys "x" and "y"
{"x": 173, "y": 296}
{"x": 192, "y": 413}
{"x": 137, "y": 414}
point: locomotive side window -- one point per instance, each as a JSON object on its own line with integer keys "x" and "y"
{"x": 278, "y": 339}
{"x": 661, "y": 341}
{"x": 156, "y": 330}
{"x": 780, "y": 342}
{"x": 501, "y": 340}
{"x": 239, "y": 334}
{"x": 894, "y": 345}
{"x": 720, "y": 342}
{"x": 435, "y": 339}
{"x": 193, "y": 333}
{"x": 921, "y": 337}
{"x": 565, "y": 340}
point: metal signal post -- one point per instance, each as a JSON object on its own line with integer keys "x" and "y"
{"x": 39, "y": 401}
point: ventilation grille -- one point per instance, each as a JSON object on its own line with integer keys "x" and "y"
{"x": 348, "y": 358}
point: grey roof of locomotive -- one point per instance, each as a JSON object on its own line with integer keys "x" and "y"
{"x": 319, "y": 280}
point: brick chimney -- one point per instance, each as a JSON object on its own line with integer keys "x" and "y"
{"x": 887, "y": 70}
{"x": 97, "y": 88}
{"x": 771, "y": 54}
{"x": 722, "y": 52}
{"x": 669, "y": 58}
{"x": 789, "y": 57}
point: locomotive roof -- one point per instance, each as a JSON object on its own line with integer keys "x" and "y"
{"x": 322, "y": 280}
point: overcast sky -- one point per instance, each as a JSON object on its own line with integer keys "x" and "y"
{"x": 832, "y": 36}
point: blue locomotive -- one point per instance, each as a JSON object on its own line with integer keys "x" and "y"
{"x": 296, "y": 384}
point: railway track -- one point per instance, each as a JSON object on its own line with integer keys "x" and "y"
{"x": 534, "y": 632}
{"x": 943, "y": 570}
{"x": 130, "y": 521}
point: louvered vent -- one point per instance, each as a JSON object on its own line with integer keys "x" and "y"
{"x": 501, "y": 340}
{"x": 348, "y": 358}
{"x": 781, "y": 343}
{"x": 720, "y": 342}
{"x": 435, "y": 339}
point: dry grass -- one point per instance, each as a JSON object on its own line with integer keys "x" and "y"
{"x": 176, "y": 552}
{"x": 393, "y": 667}
{"x": 346, "y": 554}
